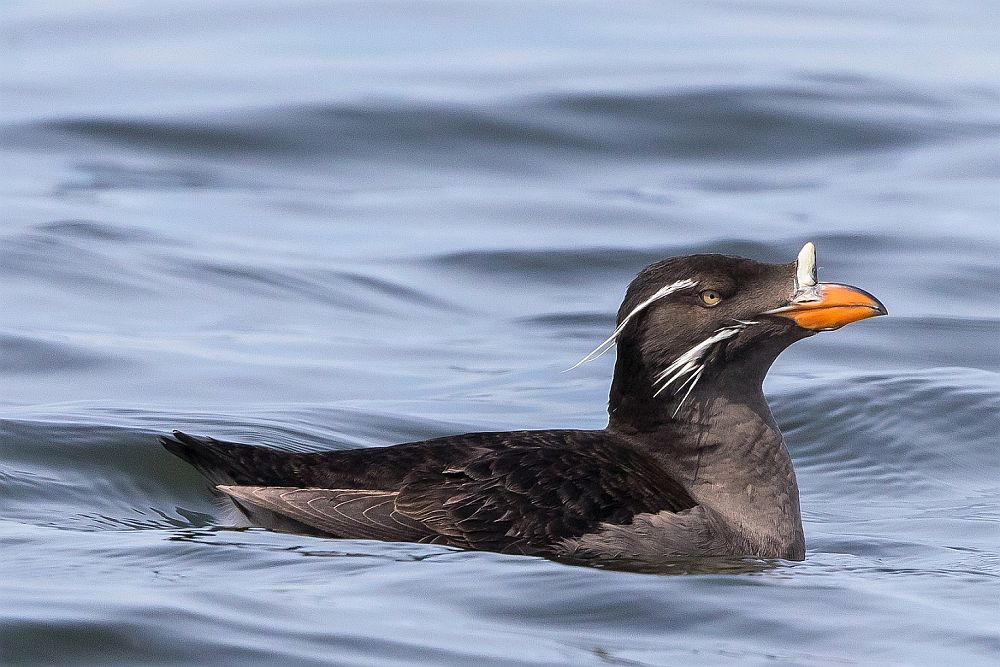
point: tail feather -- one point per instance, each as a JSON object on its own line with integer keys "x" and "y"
{"x": 229, "y": 462}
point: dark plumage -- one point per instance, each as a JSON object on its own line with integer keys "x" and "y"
{"x": 691, "y": 462}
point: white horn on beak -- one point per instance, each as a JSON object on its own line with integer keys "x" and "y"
{"x": 805, "y": 267}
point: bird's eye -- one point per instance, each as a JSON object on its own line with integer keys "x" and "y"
{"x": 710, "y": 297}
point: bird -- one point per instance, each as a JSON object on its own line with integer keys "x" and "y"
{"x": 691, "y": 463}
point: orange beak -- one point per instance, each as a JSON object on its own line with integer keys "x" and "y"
{"x": 829, "y": 306}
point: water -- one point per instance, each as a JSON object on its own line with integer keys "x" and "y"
{"x": 354, "y": 224}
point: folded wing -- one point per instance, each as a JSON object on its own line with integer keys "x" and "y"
{"x": 525, "y": 498}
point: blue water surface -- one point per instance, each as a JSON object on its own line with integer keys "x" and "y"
{"x": 350, "y": 224}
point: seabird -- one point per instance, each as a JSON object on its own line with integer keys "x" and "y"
{"x": 691, "y": 462}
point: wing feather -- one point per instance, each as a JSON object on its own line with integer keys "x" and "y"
{"x": 527, "y": 499}
{"x": 348, "y": 513}
{"x": 524, "y": 492}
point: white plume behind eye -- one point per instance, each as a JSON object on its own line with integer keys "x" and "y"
{"x": 610, "y": 342}
{"x": 805, "y": 267}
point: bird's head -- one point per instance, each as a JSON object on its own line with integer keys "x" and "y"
{"x": 692, "y": 324}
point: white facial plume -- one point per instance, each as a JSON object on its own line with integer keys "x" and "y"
{"x": 612, "y": 339}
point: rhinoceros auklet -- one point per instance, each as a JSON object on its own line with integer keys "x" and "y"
{"x": 691, "y": 462}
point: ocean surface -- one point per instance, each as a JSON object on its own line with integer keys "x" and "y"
{"x": 351, "y": 224}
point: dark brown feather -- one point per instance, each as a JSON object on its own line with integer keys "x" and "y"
{"x": 519, "y": 492}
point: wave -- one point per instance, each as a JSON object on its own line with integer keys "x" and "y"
{"x": 907, "y": 437}
{"x": 21, "y": 353}
{"x": 805, "y": 119}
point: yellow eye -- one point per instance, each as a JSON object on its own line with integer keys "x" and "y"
{"x": 710, "y": 297}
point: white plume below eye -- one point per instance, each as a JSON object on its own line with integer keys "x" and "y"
{"x": 805, "y": 267}
{"x": 686, "y": 370}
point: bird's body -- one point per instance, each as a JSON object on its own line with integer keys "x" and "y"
{"x": 691, "y": 463}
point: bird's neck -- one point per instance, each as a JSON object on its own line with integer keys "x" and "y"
{"x": 724, "y": 445}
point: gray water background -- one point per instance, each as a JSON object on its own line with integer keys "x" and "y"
{"x": 328, "y": 225}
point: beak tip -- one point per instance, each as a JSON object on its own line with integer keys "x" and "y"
{"x": 874, "y": 303}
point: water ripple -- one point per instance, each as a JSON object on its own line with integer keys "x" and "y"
{"x": 765, "y": 123}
